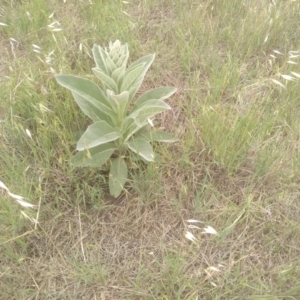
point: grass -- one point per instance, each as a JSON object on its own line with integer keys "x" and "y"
{"x": 236, "y": 167}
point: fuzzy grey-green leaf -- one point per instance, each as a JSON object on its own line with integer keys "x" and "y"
{"x": 142, "y": 147}
{"x": 131, "y": 77}
{"x": 118, "y": 103}
{"x": 159, "y": 136}
{"x": 117, "y": 176}
{"x": 87, "y": 90}
{"x": 140, "y": 116}
{"x": 94, "y": 157}
{"x": 92, "y": 109}
{"x": 96, "y": 134}
{"x": 160, "y": 93}
{"x": 146, "y": 61}
{"x": 99, "y": 57}
{"x": 107, "y": 81}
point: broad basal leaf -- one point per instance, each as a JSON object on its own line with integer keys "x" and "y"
{"x": 159, "y": 136}
{"x": 96, "y": 134}
{"x": 87, "y": 90}
{"x": 148, "y": 105}
{"x": 160, "y": 93}
{"x": 93, "y": 109}
{"x": 117, "y": 176}
{"x": 142, "y": 147}
{"x": 94, "y": 157}
{"x": 144, "y": 115}
{"x": 144, "y": 129}
{"x": 140, "y": 116}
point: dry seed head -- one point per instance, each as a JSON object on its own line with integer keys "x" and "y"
{"x": 190, "y": 236}
{"x": 18, "y": 198}
{"x": 288, "y": 77}
{"x": 127, "y": 14}
{"x": 193, "y": 221}
{"x": 209, "y": 230}
{"x": 266, "y": 38}
{"x": 28, "y": 133}
{"x": 278, "y": 82}
{"x": 296, "y": 74}
{"x": 193, "y": 227}
{"x": 150, "y": 122}
{"x": 29, "y": 218}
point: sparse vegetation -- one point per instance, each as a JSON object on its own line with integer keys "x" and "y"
{"x": 236, "y": 167}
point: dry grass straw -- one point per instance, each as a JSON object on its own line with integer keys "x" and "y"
{"x": 88, "y": 245}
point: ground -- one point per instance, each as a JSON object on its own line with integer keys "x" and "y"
{"x": 235, "y": 167}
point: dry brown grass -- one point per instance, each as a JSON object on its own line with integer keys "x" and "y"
{"x": 91, "y": 246}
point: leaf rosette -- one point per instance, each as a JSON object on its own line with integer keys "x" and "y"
{"x": 118, "y": 127}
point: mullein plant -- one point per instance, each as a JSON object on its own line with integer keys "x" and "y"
{"x": 119, "y": 127}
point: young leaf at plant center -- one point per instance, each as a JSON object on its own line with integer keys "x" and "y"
{"x": 131, "y": 85}
{"x": 99, "y": 58}
{"x": 118, "y": 76}
{"x": 96, "y": 134}
{"x": 118, "y": 103}
{"x": 142, "y": 147}
{"x": 119, "y": 53}
{"x": 107, "y": 81}
{"x": 131, "y": 77}
{"x": 117, "y": 176}
{"x": 110, "y": 65}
